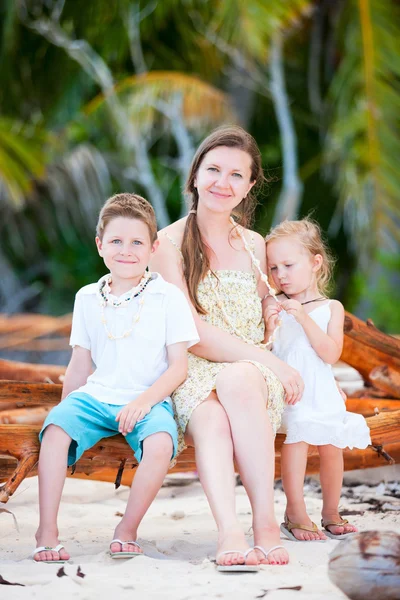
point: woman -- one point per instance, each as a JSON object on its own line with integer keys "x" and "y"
{"x": 232, "y": 378}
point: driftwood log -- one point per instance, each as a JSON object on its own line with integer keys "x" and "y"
{"x": 21, "y": 442}
{"x": 21, "y": 371}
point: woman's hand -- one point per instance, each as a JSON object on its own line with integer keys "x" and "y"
{"x": 130, "y": 414}
{"x": 291, "y": 381}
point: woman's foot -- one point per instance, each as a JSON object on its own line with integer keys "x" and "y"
{"x": 49, "y": 539}
{"x": 229, "y": 542}
{"x": 310, "y": 533}
{"x": 122, "y": 533}
{"x": 267, "y": 538}
{"x": 328, "y": 518}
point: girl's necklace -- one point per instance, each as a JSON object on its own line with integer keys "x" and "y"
{"x": 135, "y": 292}
{"x": 308, "y": 301}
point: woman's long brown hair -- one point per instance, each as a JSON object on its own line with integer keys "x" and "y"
{"x": 196, "y": 261}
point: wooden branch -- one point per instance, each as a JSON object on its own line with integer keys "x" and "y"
{"x": 21, "y": 442}
{"x": 42, "y": 325}
{"x": 20, "y": 371}
{"x": 29, "y": 394}
{"x": 386, "y": 379}
{"x": 29, "y": 416}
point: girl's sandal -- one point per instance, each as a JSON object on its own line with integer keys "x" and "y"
{"x": 336, "y": 536}
{"x": 287, "y": 526}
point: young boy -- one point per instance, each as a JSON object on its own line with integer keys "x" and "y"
{"x": 136, "y": 328}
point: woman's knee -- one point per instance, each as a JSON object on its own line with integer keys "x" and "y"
{"x": 209, "y": 420}
{"x": 239, "y": 382}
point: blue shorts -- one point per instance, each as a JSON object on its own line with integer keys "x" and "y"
{"x": 87, "y": 421}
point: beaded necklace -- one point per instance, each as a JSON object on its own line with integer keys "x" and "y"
{"x": 134, "y": 293}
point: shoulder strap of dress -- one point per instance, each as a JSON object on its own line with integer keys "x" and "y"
{"x": 173, "y": 242}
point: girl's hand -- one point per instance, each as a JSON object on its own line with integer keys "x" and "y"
{"x": 291, "y": 381}
{"x": 271, "y": 316}
{"x": 130, "y": 414}
{"x": 294, "y": 308}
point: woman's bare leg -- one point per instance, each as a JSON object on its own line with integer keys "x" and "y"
{"x": 210, "y": 434}
{"x": 52, "y": 471}
{"x": 331, "y": 477}
{"x": 242, "y": 391}
{"x": 293, "y": 468}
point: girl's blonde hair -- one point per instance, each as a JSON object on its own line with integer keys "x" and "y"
{"x": 308, "y": 233}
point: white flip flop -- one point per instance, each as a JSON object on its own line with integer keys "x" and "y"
{"x": 267, "y": 552}
{"x": 123, "y": 554}
{"x": 49, "y": 549}
{"x": 236, "y": 568}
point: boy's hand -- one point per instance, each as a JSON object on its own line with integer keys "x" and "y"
{"x": 294, "y": 308}
{"x": 271, "y": 316}
{"x": 130, "y": 414}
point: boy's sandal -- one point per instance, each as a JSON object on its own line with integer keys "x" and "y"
{"x": 238, "y": 568}
{"x": 48, "y": 549}
{"x": 267, "y": 552}
{"x": 336, "y": 536}
{"x": 123, "y": 554}
{"x": 287, "y": 526}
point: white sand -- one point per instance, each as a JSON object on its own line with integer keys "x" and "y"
{"x": 178, "y": 550}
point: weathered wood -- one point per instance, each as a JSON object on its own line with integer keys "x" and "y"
{"x": 25, "y": 394}
{"x": 367, "y": 334}
{"x": 386, "y": 379}
{"x": 20, "y": 371}
{"x": 39, "y": 326}
{"x": 368, "y": 407}
{"x": 30, "y": 416}
{"x": 21, "y": 442}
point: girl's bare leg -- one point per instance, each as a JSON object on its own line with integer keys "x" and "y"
{"x": 210, "y": 433}
{"x": 331, "y": 476}
{"x": 52, "y": 471}
{"x": 157, "y": 452}
{"x": 242, "y": 391}
{"x": 293, "y": 468}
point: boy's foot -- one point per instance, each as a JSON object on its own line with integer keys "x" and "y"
{"x": 299, "y": 527}
{"x": 125, "y": 536}
{"x": 336, "y": 526}
{"x": 52, "y": 550}
{"x": 235, "y": 547}
{"x": 269, "y": 551}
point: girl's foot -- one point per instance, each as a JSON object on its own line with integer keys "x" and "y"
{"x": 334, "y": 523}
{"x": 266, "y": 538}
{"x": 306, "y": 531}
{"x": 49, "y": 539}
{"x": 121, "y": 533}
{"x": 231, "y": 541}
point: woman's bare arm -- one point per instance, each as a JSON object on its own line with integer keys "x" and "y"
{"x": 215, "y": 344}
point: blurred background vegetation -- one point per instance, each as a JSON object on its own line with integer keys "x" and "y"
{"x": 101, "y": 96}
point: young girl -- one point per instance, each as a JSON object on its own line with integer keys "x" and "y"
{"x": 307, "y": 332}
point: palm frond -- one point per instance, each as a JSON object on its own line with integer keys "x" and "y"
{"x": 21, "y": 159}
{"x": 143, "y": 96}
{"x": 363, "y": 141}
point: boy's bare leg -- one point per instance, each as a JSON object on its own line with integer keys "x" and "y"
{"x": 157, "y": 452}
{"x": 52, "y": 472}
{"x": 331, "y": 477}
{"x": 293, "y": 468}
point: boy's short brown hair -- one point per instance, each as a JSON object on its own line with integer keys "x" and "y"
{"x": 131, "y": 206}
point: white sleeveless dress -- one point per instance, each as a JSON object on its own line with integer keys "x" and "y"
{"x": 320, "y": 417}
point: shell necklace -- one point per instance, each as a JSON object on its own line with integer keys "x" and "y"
{"x": 105, "y": 299}
{"x": 214, "y": 286}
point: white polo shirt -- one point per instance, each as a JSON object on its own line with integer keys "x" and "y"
{"x": 127, "y": 367}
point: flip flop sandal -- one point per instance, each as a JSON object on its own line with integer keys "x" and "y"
{"x": 123, "y": 554}
{"x": 287, "y": 526}
{"x": 336, "y": 536}
{"x": 267, "y": 552}
{"x": 50, "y": 549}
{"x": 236, "y": 568}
